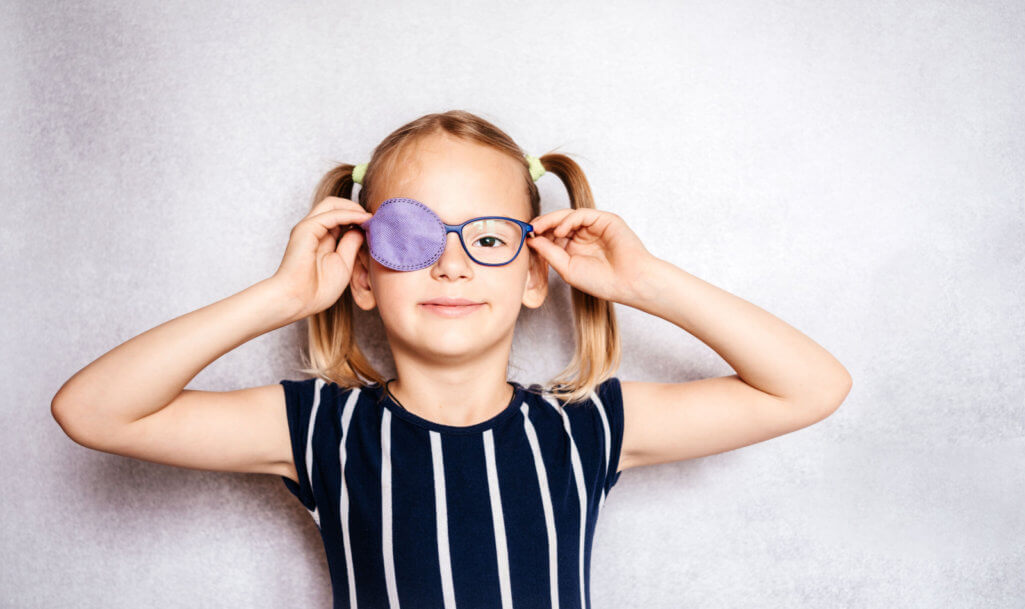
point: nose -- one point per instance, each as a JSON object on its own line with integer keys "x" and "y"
{"x": 454, "y": 261}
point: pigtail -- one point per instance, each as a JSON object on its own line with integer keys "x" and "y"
{"x": 598, "y": 351}
{"x": 331, "y": 351}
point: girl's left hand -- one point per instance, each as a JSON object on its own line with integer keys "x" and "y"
{"x": 593, "y": 250}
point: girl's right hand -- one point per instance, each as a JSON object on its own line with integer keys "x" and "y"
{"x": 317, "y": 265}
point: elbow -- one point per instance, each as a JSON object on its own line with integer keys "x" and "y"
{"x": 837, "y": 392}
{"x": 64, "y": 414}
{"x": 59, "y": 412}
{"x": 844, "y": 386}
{"x": 827, "y": 399}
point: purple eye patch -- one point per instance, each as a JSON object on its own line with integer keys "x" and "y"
{"x": 405, "y": 235}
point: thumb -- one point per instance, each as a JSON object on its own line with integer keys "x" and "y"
{"x": 349, "y": 244}
{"x": 553, "y": 254}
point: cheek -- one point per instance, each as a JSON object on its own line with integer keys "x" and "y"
{"x": 386, "y": 285}
{"x": 509, "y": 289}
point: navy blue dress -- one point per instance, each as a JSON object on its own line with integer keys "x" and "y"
{"x": 500, "y": 514}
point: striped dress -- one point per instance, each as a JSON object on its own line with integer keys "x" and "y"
{"x": 500, "y": 514}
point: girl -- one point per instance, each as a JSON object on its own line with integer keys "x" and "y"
{"x": 448, "y": 485}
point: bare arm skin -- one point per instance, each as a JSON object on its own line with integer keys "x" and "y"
{"x": 784, "y": 380}
{"x": 132, "y": 401}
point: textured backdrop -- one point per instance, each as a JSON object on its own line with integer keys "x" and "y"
{"x": 855, "y": 168}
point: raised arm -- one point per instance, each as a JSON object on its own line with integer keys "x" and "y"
{"x": 132, "y": 402}
{"x": 785, "y": 381}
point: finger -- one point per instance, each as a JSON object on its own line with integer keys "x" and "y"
{"x": 328, "y": 203}
{"x": 553, "y": 254}
{"x": 320, "y": 224}
{"x": 326, "y": 244}
{"x": 544, "y": 222}
{"x": 573, "y": 222}
{"x": 348, "y": 245}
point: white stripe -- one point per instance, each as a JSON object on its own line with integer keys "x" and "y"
{"x": 608, "y": 444}
{"x": 441, "y": 509}
{"x": 546, "y": 503}
{"x": 318, "y": 385}
{"x": 343, "y": 498}
{"x": 578, "y": 475}
{"x": 386, "y": 511}
{"x": 494, "y": 493}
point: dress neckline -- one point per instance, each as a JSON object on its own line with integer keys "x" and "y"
{"x": 393, "y": 405}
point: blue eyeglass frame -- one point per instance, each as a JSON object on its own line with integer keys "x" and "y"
{"x": 525, "y": 230}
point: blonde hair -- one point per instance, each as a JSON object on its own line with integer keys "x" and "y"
{"x": 332, "y": 352}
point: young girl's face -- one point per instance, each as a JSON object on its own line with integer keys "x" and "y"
{"x": 458, "y": 180}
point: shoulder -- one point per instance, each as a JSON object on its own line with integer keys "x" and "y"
{"x": 305, "y": 395}
{"x": 320, "y": 383}
{"x": 603, "y": 388}
{"x": 603, "y": 404}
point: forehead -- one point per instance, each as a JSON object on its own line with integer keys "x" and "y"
{"x": 457, "y": 179}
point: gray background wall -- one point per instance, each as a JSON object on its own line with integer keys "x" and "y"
{"x": 854, "y": 168}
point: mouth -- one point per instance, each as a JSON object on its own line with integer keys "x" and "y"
{"x": 451, "y": 302}
{"x": 451, "y": 310}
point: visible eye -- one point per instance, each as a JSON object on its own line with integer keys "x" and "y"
{"x": 492, "y": 233}
{"x": 493, "y": 239}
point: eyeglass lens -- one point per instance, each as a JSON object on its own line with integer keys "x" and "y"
{"x": 492, "y": 241}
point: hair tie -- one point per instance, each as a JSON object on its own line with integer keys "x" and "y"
{"x": 536, "y": 168}
{"x": 358, "y": 172}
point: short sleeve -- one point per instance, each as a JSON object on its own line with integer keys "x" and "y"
{"x": 301, "y": 406}
{"x": 610, "y": 400}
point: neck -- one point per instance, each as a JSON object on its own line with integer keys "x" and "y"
{"x": 459, "y": 412}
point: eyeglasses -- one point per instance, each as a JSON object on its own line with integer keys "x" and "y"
{"x": 406, "y": 235}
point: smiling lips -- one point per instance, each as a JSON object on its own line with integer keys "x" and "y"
{"x": 451, "y": 307}
{"x": 450, "y": 301}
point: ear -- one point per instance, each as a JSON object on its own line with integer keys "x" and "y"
{"x": 535, "y": 290}
{"x": 359, "y": 282}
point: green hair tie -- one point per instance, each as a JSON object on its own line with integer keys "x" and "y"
{"x": 536, "y": 168}
{"x": 358, "y": 172}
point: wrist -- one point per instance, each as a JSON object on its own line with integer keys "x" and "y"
{"x": 649, "y": 281}
{"x": 281, "y": 307}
